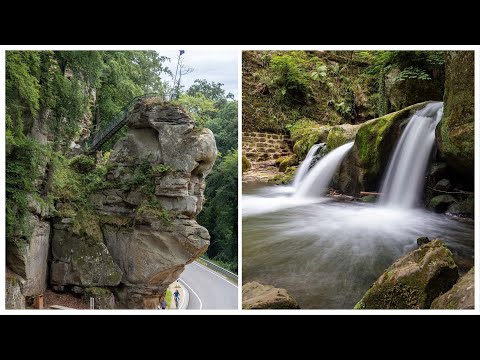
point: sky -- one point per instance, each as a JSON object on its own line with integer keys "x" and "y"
{"x": 213, "y": 65}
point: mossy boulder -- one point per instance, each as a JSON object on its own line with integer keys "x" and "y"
{"x": 375, "y": 140}
{"x": 414, "y": 280}
{"x": 104, "y": 298}
{"x": 369, "y": 198}
{"x": 455, "y": 132}
{"x": 285, "y": 162}
{"x": 340, "y": 135}
{"x": 285, "y": 177}
{"x": 305, "y": 133}
{"x": 464, "y": 208}
{"x": 258, "y": 296}
{"x": 246, "y": 164}
{"x": 443, "y": 185}
{"x": 440, "y": 203}
{"x": 422, "y": 240}
{"x": 460, "y": 296}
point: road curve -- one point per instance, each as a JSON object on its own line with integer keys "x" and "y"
{"x": 208, "y": 289}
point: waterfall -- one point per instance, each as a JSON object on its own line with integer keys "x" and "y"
{"x": 319, "y": 177}
{"x": 302, "y": 170}
{"x": 405, "y": 176}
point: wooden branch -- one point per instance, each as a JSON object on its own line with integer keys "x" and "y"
{"x": 369, "y": 193}
{"x": 451, "y": 192}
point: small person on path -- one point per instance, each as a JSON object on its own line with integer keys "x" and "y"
{"x": 163, "y": 303}
{"x": 176, "y": 295}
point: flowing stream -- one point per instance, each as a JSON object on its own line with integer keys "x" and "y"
{"x": 327, "y": 253}
{"x": 303, "y": 168}
{"x": 405, "y": 176}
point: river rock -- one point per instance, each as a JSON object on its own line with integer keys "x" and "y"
{"x": 443, "y": 185}
{"x": 258, "y": 296}
{"x": 460, "y": 296}
{"x": 465, "y": 208}
{"x": 413, "y": 281}
{"x": 437, "y": 171}
{"x": 27, "y": 256}
{"x": 13, "y": 291}
{"x": 441, "y": 203}
{"x": 422, "y": 240}
{"x": 455, "y": 132}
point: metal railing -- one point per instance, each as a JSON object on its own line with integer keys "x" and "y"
{"x": 217, "y": 268}
{"x": 116, "y": 123}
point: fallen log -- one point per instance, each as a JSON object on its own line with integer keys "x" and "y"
{"x": 364, "y": 193}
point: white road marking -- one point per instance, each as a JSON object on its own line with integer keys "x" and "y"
{"x": 183, "y": 301}
{"x": 214, "y": 273}
{"x": 198, "y": 297}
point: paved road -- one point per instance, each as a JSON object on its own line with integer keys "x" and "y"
{"x": 208, "y": 289}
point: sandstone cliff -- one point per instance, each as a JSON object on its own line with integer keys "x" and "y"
{"x": 139, "y": 230}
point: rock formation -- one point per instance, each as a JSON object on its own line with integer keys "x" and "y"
{"x": 460, "y": 296}
{"x": 413, "y": 281}
{"x": 258, "y": 296}
{"x": 143, "y": 231}
{"x": 363, "y": 167}
{"x": 455, "y": 133}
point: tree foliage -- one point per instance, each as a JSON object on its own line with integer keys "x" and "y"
{"x": 61, "y": 89}
{"x": 219, "y": 214}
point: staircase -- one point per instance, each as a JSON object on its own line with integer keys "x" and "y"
{"x": 115, "y": 124}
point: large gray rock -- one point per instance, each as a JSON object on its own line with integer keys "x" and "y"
{"x": 13, "y": 293}
{"x": 413, "y": 281}
{"x": 27, "y": 256}
{"x": 258, "y": 296}
{"x": 460, "y": 296}
{"x": 153, "y": 236}
{"x": 81, "y": 260}
{"x": 103, "y": 298}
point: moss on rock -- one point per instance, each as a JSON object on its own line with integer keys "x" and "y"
{"x": 440, "y": 203}
{"x": 246, "y": 164}
{"x": 414, "y": 280}
{"x": 375, "y": 140}
{"x": 455, "y": 133}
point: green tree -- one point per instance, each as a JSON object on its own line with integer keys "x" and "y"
{"x": 224, "y": 126}
{"x": 219, "y": 214}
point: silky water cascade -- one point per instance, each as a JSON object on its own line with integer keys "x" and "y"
{"x": 326, "y": 252}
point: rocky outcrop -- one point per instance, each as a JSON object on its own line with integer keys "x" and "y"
{"x": 80, "y": 259}
{"x": 142, "y": 231}
{"x": 363, "y": 167}
{"x": 13, "y": 293}
{"x": 27, "y": 255}
{"x": 103, "y": 298}
{"x": 414, "y": 280}
{"x": 258, "y": 296}
{"x": 460, "y": 296}
{"x": 455, "y": 132}
{"x": 411, "y": 91}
